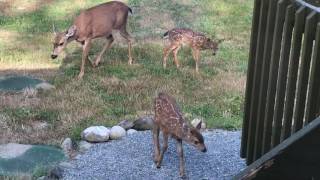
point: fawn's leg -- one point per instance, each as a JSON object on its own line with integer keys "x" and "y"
{"x": 105, "y": 47}
{"x": 166, "y": 53}
{"x": 85, "y": 52}
{"x": 175, "y": 57}
{"x": 156, "y": 144}
{"x": 196, "y": 57}
{"x": 164, "y": 148}
{"x": 126, "y": 35}
{"x": 181, "y": 158}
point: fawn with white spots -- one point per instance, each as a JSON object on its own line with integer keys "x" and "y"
{"x": 169, "y": 120}
{"x": 183, "y": 36}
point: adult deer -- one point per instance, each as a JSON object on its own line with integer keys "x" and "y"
{"x": 95, "y": 22}
{"x": 169, "y": 120}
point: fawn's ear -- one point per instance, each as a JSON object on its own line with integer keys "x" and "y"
{"x": 71, "y": 31}
{"x": 54, "y": 30}
{"x": 220, "y": 41}
{"x": 199, "y": 125}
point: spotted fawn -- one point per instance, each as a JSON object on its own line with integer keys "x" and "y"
{"x": 182, "y": 36}
{"x": 169, "y": 120}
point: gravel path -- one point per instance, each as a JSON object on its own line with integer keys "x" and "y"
{"x": 131, "y": 158}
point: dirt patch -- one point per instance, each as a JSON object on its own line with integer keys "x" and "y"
{"x": 14, "y": 7}
{"x": 17, "y": 100}
{"x": 228, "y": 82}
{"x": 7, "y": 36}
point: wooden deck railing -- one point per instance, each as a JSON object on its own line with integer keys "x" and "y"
{"x": 283, "y": 82}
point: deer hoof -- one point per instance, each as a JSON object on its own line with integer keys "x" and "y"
{"x": 183, "y": 176}
{"x": 80, "y": 76}
{"x": 158, "y": 165}
{"x": 96, "y": 64}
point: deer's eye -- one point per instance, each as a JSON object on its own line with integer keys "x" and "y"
{"x": 61, "y": 44}
{"x": 196, "y": 142}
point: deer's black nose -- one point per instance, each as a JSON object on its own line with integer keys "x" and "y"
{"x": 214, "y": 53}
{"x": 53, "y": 56}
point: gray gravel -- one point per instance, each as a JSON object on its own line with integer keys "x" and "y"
{"x": 131, "y": 158}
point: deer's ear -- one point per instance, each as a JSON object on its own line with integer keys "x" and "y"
{"x": 220, "y": 41}
{"x": 71, "y": 31}
{"x": 54, "y": 30}
{"x": 199, "y": 125}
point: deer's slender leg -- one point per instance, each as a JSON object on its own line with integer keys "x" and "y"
{"x": 156, "y": 144}
{"x": 164, "y": 148}
{"x": 105, "y": 47}
{"x": 181, "y": 157}
{"x": 126, "y": 35}
{"x": 175, "y": 58}
{"x": 166, "y": 53}
{"x": 196, "y": 57}
{"x": 85, "y": 52}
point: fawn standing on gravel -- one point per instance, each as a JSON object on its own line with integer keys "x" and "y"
{"x": 169, "y": 120}
{"x": 95, "y": 22}
{"x": 183, "y": 36}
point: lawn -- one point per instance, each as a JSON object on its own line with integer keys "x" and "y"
{"x": 115, "y": 91}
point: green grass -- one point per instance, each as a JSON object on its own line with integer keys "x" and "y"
{"x": 115, "y": 91}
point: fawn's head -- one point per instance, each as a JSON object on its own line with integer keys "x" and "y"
{"x": 196, "y": 139}
{"x": 213, "y": 45}
{"x": 60, "y": 41}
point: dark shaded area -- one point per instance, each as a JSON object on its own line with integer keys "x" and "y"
{"x": 313, "y": 2}
{"x": 297, "y": 157}
{"x": 277, "y": 107}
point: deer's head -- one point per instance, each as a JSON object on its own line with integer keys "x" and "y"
{"x": 196, "y": 139}
{"x": 213, "y": 45}
{"x": 61, "y": 39}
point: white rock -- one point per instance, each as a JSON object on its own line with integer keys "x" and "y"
{"x": 67, "y": 145}
{"x": 117, "y": 132}
{"x": 42, "y": 178}
{"x": 131, "y": 131}
{"x": 96, "y": 134}
{"x": 84, "y": 146}
{"x": 195, "y": 122}
{"x": 66, "y": 165}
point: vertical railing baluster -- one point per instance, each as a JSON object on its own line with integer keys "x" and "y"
{"x": 249, "y": 84}
{"x": 304, "y": 68}
{"x": 264, "y": 77}
{"x": 292, "y": 77}
{"x": 273, "y": 74}
{"x": 256, "y": 79}
{"x": 312, "y": 108}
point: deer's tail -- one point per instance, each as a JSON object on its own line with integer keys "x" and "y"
{"x": 130, "y": 10}
{"x": 165, "y": 35}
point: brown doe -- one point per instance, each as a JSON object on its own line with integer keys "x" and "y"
{"x": 169, "y": 120}
{"x": 183, "y": 36}
{"x": 95, "y": 22}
